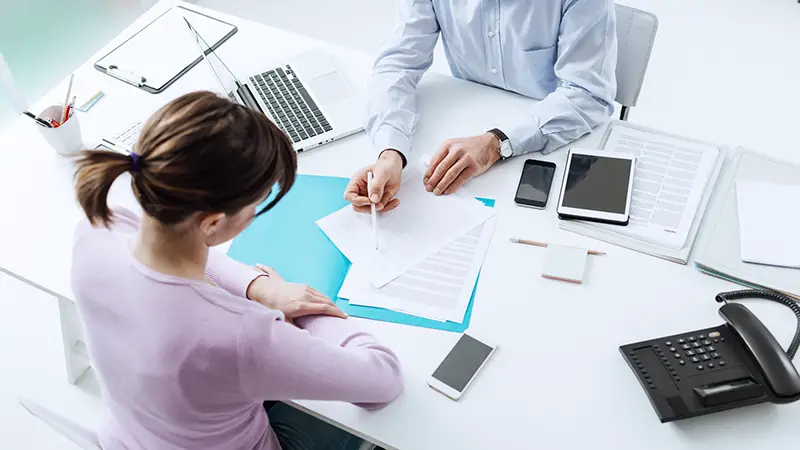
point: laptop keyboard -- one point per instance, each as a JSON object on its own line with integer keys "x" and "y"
{"x": 128, "y": 136}
{"x": 289, "y": 104}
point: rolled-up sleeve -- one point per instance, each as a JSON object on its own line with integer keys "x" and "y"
{"x": 585, "y": 67}
{"x": 392, "y": 112}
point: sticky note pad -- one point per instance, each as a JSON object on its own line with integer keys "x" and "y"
{"x": 564, "y": 263}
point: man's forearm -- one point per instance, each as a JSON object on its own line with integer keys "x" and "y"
{"x": 392, "y": 112}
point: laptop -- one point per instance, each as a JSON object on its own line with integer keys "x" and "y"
{"x": 307, "y": 97}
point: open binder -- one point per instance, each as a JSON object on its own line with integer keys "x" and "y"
{"x": 150, "y": 62}
{"x": 679, "y": 255}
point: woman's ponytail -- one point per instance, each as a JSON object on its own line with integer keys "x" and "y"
{"x": 95, "y": 172}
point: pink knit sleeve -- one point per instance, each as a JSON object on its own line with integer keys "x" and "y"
{"x": 329, "y": 360}
{"x": 230, "y": 274}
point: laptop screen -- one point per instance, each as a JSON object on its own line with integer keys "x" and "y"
{"x": 224, "y": 77}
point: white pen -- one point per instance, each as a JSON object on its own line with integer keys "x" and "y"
{"x": 372, "y": 211}
{"x": 66, "y": 99}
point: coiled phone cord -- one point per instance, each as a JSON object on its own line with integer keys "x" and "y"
{"x": 775, "y": 297}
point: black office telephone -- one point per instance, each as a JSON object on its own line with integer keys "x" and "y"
{"x": 738, "y": 363}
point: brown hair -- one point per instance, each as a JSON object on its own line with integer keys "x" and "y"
{"x": 199, "y": 153}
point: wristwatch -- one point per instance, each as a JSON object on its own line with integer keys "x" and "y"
{"x": 505, "y": 144}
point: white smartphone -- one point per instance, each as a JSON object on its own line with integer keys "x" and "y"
{"x": 460, "y": 366}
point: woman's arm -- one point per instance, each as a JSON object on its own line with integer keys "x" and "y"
{"x": 325, "y": 359}
{"x": 230, "y": 274}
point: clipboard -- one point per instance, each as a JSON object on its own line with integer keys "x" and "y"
{"x": 152, "y": 63}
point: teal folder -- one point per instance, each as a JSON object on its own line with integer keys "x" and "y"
{"x": 288, "y": 239}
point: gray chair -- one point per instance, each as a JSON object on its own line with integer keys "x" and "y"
{"x": 84, "y": 438}
{"x": 636, "y": 32}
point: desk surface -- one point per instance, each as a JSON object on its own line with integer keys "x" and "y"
{"x": 557, "y": 380}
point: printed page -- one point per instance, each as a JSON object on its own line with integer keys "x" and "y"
{"x": 670, "y": 177}
{"x": 419, "y": 227}
{"x": 768, "y": 217}
{"x": 440, "y": 287}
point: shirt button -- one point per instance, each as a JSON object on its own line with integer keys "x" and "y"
{"x": 491, "y": 34}
{"x": 494, "y": 70}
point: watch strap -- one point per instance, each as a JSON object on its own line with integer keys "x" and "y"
{"x": 505, "y": 144}
{"x": 499, "y": 134}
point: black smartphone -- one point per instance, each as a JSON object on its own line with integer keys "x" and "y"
{"x": 534, "y": 184}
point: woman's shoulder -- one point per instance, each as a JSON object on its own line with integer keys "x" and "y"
{"x": 122, "y": 221}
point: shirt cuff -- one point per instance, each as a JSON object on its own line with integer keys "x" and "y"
{"x": 388, "y": 137}
{"x": 230, "y": 274}
{"x": 525, "y": 138}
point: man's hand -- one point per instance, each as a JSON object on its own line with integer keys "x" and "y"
{"x": 387, "y": 173}
{"x": 293, "y": 299}
{"x": 459, "y": 160}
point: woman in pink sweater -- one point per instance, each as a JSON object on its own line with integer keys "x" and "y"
{"x": 187, "y": 343}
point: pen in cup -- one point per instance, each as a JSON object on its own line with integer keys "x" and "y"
{"x": 70, "y": 107}
{"x": 66, "y": 99}
{"x": 373, "y": 213}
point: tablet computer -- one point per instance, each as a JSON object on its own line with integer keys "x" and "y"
{"x": 597, "y": 186}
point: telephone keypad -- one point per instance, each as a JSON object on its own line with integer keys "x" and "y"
{"x": 697, "y": 348}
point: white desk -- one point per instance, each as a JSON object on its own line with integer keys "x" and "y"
{"x": 557, "y": 380}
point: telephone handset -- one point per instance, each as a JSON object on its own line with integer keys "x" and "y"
{"x": 736, "y": 364}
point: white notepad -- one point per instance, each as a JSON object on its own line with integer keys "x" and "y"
{"x": 565, "y": 263}
{"x": 768, "y": 223}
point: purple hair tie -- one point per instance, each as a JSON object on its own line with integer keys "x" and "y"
{"x": 136, "y": 163}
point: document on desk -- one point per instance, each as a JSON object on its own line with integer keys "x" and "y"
{"x": 438, "y": 288}
{"x": 419, "y": 227}
{"x": 768, "y": 218}
{"x": 670, "y": 180}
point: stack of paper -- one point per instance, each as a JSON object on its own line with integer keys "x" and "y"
{"x": 768, "y": 217}
{"x": 431, "y": 251}
{"x": 719, "y": 252}
{"x": 673, "y": 181}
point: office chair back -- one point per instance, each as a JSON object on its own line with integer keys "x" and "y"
{"x": 636, "y": 32}
{"x": 84, "y": 438}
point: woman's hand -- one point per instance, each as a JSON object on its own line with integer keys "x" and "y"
{"x": 293, "y": 299}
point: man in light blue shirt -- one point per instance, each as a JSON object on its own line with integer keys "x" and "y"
{"x": 561, "y": 52}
